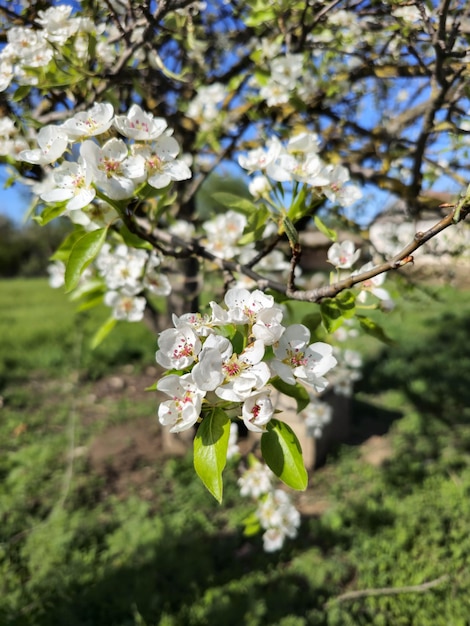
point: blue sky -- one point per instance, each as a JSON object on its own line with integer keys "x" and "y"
{"x": 14, "y": 201}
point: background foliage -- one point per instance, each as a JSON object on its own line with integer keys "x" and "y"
{"x": 132, "y": 540}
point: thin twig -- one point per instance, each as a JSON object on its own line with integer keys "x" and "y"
{"x": 193, "y": 247}
{"x": 386, "y": 591}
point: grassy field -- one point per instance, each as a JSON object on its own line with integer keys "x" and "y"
{"x": 98, "y": 527}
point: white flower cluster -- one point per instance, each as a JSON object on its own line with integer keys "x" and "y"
{"x": 28, "y": 48}
{"x": 223, "y": 235}
{"x": 347, "y": 372}
{"x": 275, "y": 512}
{"x": 222, "y": 360}
{"x": 343, "y": 256}
{"x": 10, "y": 141}
{"x": 127, "y": 273}
{"x": 206, "y": 105}
{"x": 114, "y": 167}
{"x": 317, "y": 414}
{"x": 299, "y": 161}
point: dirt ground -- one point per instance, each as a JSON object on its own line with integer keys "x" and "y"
{"x": 124, "y": 454}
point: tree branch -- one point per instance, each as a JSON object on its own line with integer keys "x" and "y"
{"x": 387, "y": 591}
{"x": 459, "y": 213}
{"x": 192, "y": 247}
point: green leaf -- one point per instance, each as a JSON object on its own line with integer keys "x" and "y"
{"x": 347, "y": 303}
{"x": 252, "y": 525}
{"x": 21, "y": 93}
{"x": 90, "y": 303}
{"x": 82, "y": 254}
{"x": 133, "y": 241}
{"x": 282, "y": 452}
{"x": 297, "y": 208}
{"x": 210, "y": 451}
{"x": 312, "y": 321}
{"x": 291, "y": 232}
{"x": 256, "y": 225}
{"x": 331, "y": 314}
{"x": 102, "y": 332}
{"x": 231, "y": 201}
{"x": 375, "y": 330}
{"x": 323, "y": 228}
{"x": 50, "y": 213}
{"x": 92, "y": 288}
{"x": 297, "y": 391}
{"x": 63, "y": 251}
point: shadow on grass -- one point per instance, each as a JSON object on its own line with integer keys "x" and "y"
{"x": 369, "y": 419}
{"x": 187, "y": 580}
{"x": 432, "y": 370}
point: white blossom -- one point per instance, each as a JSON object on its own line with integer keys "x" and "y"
{"x": 178, "y": 347}
{"x": 157, "y": 283}
{"x": 56, "y": 271}
{"x": 243, "y": 305}
{"x": 122, "y": 268}
{"x": 372, "y": 285}
{"x": 259, "y": 186}
{"x": 113, "y": 170}
{"x": 205, "y": 106}
{"x": 295, "y": 359}
{"x": 261, "y": 159}
{"x": 223, "y": 233}
{"x": 343, "y": 255}
{"x": 257, "y": 411}
{"x": 279, "y": 517}
{"x": 232, "y": 376}
{"x": 6, "y": 74}
{"x": 160, "y": 161}
{"x": 125, "y": 307}
{"x": 268, "y": 327}
{"x": 73, "y": 184}
{"x": 256, "y": 480}
{"x": 317, "y": 415}
{"x": 233, "y": 447}
{"x": 140, "y": 125}
{"x": 52, "y": 142}
{"x": 337, "y": 190}
{"x": 57, "y": 23}
{"x": 182, "y": 411}
{"x": 95, "y": 121}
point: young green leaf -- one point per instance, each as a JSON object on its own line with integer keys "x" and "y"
{"x": 63, "y": 251}
{"x": 312, "y": 321}
{"x": 347, "y": 303}
{"x": 231, "y": 201}
{"x": 82, "y": 254}
{"x": 102, "y": 332}
{"x": 252, "y": 525}
{"x": 375, "y": 330}
{"x": 210, "y": 451}
{"x": 297, "y": 209}
{"x": 50, "y": 213}
{"x": 282, "y": 452}
{"x": 331, "y": 314}
{"x": 323, "y": 228}
{"x": 298, "y": 392}
{"x": 291, "y": 232}
{"x": 256, "y": 224}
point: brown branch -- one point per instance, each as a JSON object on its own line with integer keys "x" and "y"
{"x": 387, "y": 591}
{"x": 156, "y": 237}
{"x": 405, "y": 256}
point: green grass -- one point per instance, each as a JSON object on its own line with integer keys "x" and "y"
{"x": 123, "y": 540}
{"x": 40, "y": 331}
